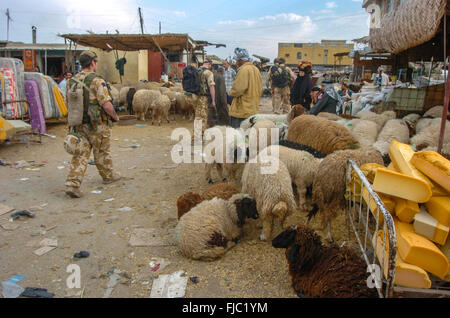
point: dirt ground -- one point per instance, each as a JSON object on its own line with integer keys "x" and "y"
{"x": 150, "y": 188}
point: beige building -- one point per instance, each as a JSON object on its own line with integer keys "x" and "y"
{"x": 320, "y": 54}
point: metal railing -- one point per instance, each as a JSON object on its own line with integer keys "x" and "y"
{"x": 368, "y": 217}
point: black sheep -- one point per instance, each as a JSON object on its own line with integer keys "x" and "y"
{"x": 323, "y": 271}
{"x": 296, "y": 146}
{"x": 130, "y": 96}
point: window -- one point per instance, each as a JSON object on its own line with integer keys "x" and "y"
{"x": 305, "y": 55}
{"x": 284, "y": 44}
{"x": 299, "y": 55}
{"x": 287, "y": 55}
{"x": 309, "y": 44}
{"x": 298, "y": 45}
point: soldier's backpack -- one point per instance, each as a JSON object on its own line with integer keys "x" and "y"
{"x": 279, "y": 76}
{"x": 78, "y": 100}
{"x": 191, "y": 81}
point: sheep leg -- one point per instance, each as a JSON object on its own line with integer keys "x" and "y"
{"x": 209, "y": 167}
{"x": 301, "y": 190}
{"x": 219, "y": 168}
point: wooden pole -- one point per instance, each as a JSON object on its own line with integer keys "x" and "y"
{"x": 447, "y": 89}
{"x": 141, "y": 20}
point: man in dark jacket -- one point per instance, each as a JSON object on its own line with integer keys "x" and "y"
{"x": 301, "y": 92}
{"x": 219, "y": 116}
{"x": 331, "y": 102}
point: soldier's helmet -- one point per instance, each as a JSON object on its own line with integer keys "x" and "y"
{"x": 72, "y": 144}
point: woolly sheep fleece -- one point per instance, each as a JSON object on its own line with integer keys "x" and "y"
{"x": 160, "y": 109}
{"x": 208, "y": 230}
{"x": 272, "y": 192}
{"x": 329, "y": 182}
{"x": 142, "y": 101}
{"x": 302, "y": 167}
{"x": 305, "y": 130}
{"x": 394, "y": 129}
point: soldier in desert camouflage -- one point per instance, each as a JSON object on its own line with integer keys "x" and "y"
{"x": 95, "y": 132}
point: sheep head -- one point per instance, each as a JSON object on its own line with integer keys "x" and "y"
{"x": 186, "y": 202}
{"x": 302, "y": 244}
{"x": 245, "y": 208}
{"x": 296, "y": 111}
{"x": 285, "y": 238}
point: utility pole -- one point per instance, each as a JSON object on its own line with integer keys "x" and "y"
{"x": 141, "y": 20}
{"x": 8, "y": 19}
{"x": 159, "y": 27}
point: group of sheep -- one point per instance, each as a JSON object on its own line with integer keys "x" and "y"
{"x": 311, "y": 157}
{"x": 151, "y": 99}
{"x": 379, "y": 130}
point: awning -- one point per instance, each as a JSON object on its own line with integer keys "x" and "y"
{"x": 133, "y": 42}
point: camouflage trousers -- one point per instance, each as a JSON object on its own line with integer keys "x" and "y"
{"x": 201, "y": 113}
{"x": 281, "y": 101}
{"x": 99, "y": 142}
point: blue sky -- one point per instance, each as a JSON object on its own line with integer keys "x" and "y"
{"x": 255, "y": 25}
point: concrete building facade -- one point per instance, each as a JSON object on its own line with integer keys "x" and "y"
{"x": 320, "y": 54}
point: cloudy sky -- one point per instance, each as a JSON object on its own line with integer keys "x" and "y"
{"x": 257, "y": 25}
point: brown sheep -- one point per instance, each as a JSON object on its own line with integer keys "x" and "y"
{"x": 190, "y": 199}
{"x": 321, "y": 271}
{"x": 295, "y": 112}
{"x": 186, "y": 202}
{"x": 329, "y": 182}
{"x": 183, "y": 106}
{"x": 323, "y": 135}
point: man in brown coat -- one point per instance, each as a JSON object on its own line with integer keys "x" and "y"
{"x": 246, "y": 90}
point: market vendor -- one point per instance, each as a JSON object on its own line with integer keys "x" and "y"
{"x": 331, "y": 102}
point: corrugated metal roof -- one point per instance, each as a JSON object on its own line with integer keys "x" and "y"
{"x": 13, "y": 46}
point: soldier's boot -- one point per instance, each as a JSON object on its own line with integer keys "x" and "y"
{"x": 73, "y": 192}
{"x": 116, "y": 177}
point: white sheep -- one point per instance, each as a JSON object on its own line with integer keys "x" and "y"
{"x": 142, "y": 101}
{"x": 394, "y": 129}
{"x": 249, "y": 122}
{"x": 429, "y": 136}
{"x": 348, "y": 123}
{"x": 302, "y": 167}
{"x": 262, "y": 127}
{"x": 426, "y": 122}
{"x": 380, "y": 119}
{"x": 366, "y": 132}
{"x": 115, "y": 94}
{"x": 160, "y": 108}
{"x": 272, "y": 192}
{"x": 234, "y": 150}
{"x": 212, "y": 227}
{"x": 435, "y": 112}
{"x": 123, "y": 96}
